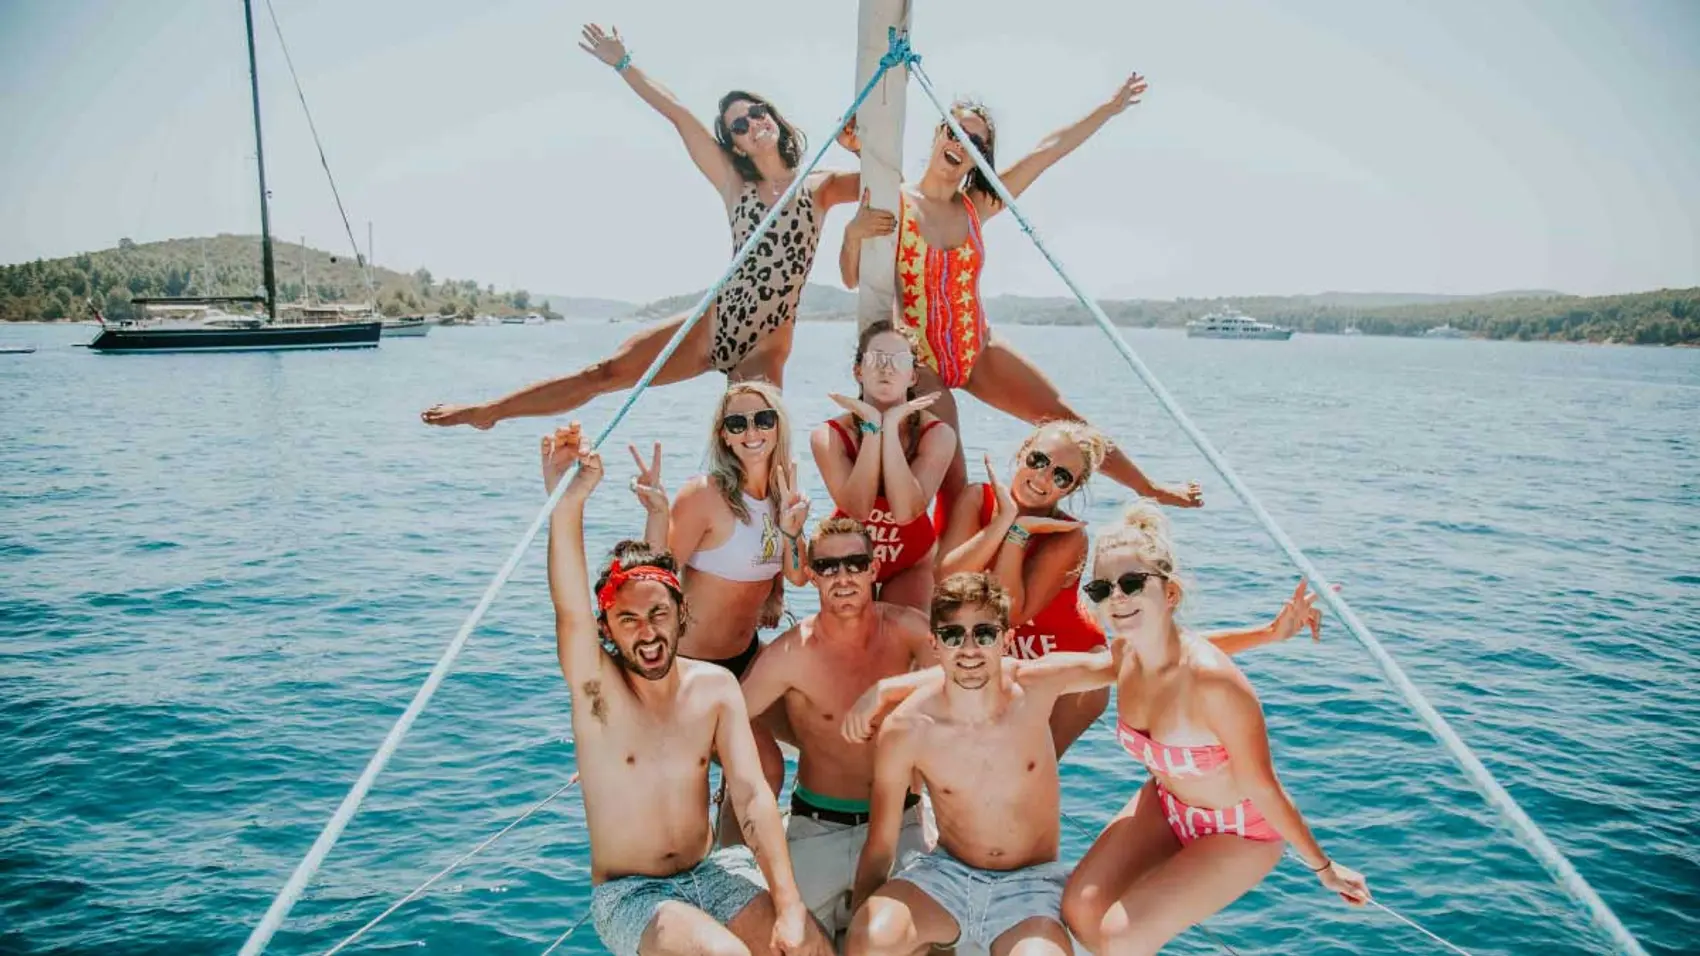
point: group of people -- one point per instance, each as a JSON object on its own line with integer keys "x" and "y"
{"x": 967, "y": 633}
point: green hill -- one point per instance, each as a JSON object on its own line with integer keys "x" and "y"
{"x": 46, "y": 290}
{"x": 1664, "y": 317}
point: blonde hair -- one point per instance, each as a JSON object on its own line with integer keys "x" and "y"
{"x": 1094, "y": 445}
{"x": 1144, "y": 531}
{"x": 725, "y": 472}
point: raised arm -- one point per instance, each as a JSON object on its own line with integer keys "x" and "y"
{"x": 705, "y": 151}
{"x": 1021, "y": 174}
{"x": 756, "y": 808}
{"x": 852, "y": 478}
{"x": 1038, "y": 558}
{"x": 1233, "y": 714}
{"x": 911, "y": 486}
{"x": 651, "y": 492}
{"x": 793, "y": 517}
{"x": 576, "y": 642}
{"x": 968, "y": 545}
{"x": 894, "y": 768}
{"x": 867, "y": 224}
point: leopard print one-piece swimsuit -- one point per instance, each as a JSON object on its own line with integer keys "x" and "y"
{"x": 762, "y": 295}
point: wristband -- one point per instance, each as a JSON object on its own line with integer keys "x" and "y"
{"x": 1326, "y": 863}
{"x": 867, "y": 427}
{"x": 1017, "y": 535}
{"x": 625, "y": 61}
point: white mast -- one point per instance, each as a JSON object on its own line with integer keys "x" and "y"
{"x": 879, "y": 125}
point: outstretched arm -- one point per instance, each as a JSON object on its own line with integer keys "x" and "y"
{"x": 569, "y": 579}
{"x": 1298, "y": 613}
{"x": 1071, "y": 672}
{"x": 705, "y": 151}
{"x": 894, "y": 768}
{"x": 1233, "y": 714}
{"x": 1021, "y": 174}
{"x": 870, "y": 709}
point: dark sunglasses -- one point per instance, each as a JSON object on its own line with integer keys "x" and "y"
{"x": 850, "y": 564}
{"x": 765, "y": 420}
{"x": 1060, "y": 476}
{"x": 984, "y": 147}
{"x": 741, "y": 125}
{"x": 1131, "y": 583}
{"x": 953, "y": 635}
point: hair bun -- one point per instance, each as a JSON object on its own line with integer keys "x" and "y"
{"x": 1146, "y": 518}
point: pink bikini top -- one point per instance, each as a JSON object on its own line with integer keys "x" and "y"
{"x": 1167, "y": 760}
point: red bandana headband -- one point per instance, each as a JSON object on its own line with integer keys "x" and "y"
{"x": 618, "y": 577}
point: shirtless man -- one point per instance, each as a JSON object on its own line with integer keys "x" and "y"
{"x": 977, "y": 731}
{"x": 817, "y": 671}
{"x": 645, "y": 723}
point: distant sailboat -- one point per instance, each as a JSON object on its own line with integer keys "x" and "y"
{"x": 237, "y": 333}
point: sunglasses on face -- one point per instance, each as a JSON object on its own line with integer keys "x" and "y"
{"x": 850, "y": 564}
{"x": 741, "y": 125}
{"x": 1130, "y": 583}
{"x": 979, "y": 143}
{"x": 953, "y": 635}
{"x": 1060, "y": 476}
{"x": 765, "y": 420}
{"x": 898, "y": 361}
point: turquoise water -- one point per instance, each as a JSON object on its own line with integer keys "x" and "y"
{"x": 223, "y": 576}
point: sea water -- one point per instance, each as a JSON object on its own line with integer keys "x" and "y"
{"x": 223, "y": 576}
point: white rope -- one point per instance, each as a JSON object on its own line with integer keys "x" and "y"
{"x": 309, "y": 865}
{"x": 1521, "y": 824}
{"x": 445, "y": 871}
{"x": 1413, "y": 924}
{"x": 570, "y": 931}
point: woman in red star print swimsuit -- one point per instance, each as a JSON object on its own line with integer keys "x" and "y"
{"x": 940, "y": 258}
{"x": 883, "y": 462}
{"x": 1020, "y": 533}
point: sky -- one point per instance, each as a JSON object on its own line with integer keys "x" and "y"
{"x": 1443, "y": 146}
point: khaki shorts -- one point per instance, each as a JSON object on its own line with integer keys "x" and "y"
{"x": 824, "y": 856}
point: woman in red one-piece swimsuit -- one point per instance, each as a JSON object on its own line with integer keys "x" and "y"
{"x": 883, "y": 461}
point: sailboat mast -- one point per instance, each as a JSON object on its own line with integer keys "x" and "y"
{"x": 260, "y": 157}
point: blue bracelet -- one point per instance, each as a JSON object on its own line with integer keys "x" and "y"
{"x": 625, "y": 61}
{"x": 867, "y": 427}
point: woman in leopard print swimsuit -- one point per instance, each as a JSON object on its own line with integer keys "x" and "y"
{"x": 751, "y": 157}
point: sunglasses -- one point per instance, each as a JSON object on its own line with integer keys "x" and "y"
{"x": 953, "y": 635}
{"x": 741, "y": 125}
{"x": 1130, "y": 583}
{"x": 898, "y": 361}
{"x": 765, "y": 420}
{"x": 1060, "y": 476}
{"x": 984, "y": 147}
{"x": 850, "y": 564}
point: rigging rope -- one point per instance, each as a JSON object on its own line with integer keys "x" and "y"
{"x": 413, "y": 894}
{"x": 297, "y": 883}
{"x": 358, "y": 258}
{"x": 1533, "y": 837}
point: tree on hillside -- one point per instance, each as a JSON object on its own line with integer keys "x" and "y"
{"x": 520, "y": 299}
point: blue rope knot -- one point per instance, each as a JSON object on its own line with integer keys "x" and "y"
{"x": 898, "y": 52}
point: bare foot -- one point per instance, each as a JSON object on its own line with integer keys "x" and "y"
{"x": 475, "y": 415}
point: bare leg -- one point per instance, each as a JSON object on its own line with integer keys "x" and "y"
{"x": 1037, "y": 936}
{"x": 618, "y": 371}
{"x": 766, "y": 362}
{"x": 1137, "y": 840}
{"x": 899, "y": 920}
{"x": 681, "y": 930}
{"x": 1184, "y": 890}
{"x": 912, "y": 586}
{"x": 1073, "y": 714}
{"x": 1004, "y": 379}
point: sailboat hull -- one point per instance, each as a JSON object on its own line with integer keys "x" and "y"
{"x": 345, "y": 335}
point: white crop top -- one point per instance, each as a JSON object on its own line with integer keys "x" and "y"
{"x": 752, "y": 553}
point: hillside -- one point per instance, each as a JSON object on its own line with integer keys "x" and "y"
{"x": 46, "y": 290}
{"x": 1664, "y": 317}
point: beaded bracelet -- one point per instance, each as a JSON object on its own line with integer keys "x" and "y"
{"x": 625, "y": 61}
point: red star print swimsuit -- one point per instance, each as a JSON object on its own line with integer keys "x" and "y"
{"x": 940, "y": 309}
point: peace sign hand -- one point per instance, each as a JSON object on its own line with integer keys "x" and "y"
{"x": 648, "y": 486}
{"x": 1127, "y": 94}
{"x": 607, "y": 47}
{"x": 793, "y": 505}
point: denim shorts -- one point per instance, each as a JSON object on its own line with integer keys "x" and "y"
{"x": 725, "y": 882}
{"x": 987, "y": 903}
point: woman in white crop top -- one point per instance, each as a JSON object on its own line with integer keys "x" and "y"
{"x": 736, "y": 530}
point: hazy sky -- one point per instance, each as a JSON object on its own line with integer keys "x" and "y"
{"x": 1436, "y": 146}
